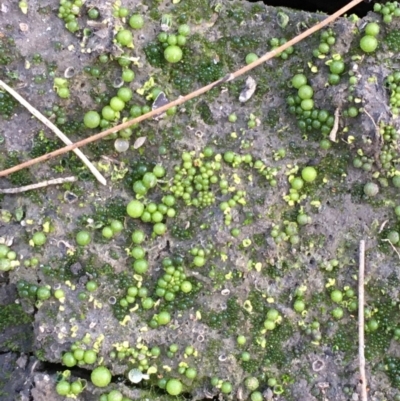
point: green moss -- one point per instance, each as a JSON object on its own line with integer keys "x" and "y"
{"x": 272, "y": 118}
{"x": 334, "y": 165}
{"x": 7, "y": 105}
{"x": 392, "y": 39}
{"x": 229, "y": 318}
{"x": 8, "y": 51}
{"x": 393, "y": 370}
{"x": 343, "y": 340}
{"x": 21, "y": 177}
{"x": 13, "y": 315}
{"x": 206, "y": 113}
{"x": 193, "y": 11}
{"x": 42, "y": 145}
{"x": 275, "y": 350}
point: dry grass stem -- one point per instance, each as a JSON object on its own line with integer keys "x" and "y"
{"x": 56, "y": 130}
{"x": 361, "y": 321}
{"x": 43, "y": 184}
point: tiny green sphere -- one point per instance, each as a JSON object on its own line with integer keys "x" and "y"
{"x": 191, "y": 373}
{"x": 147, "y": 303}
{"x": 226, "y": 387}
{"x": 299, "y": 305}
{"x": 93, "y": 13}
{"x": 371, "y": 189}
{"x": 101, "y": 376}
{"x": 199, "y": 261}
{"x": 69, "y": 360}
{"x": 272, "y": 315}
{"x": 372, "y": 29}
{"x": 159, "y": 172}
{"x": 63, "y": 93}
{"x": 256, "y": 396}
{"x": 337, "y": 313}
{"x": 368, "y": 43}
{"x": 63, "y": 388}
{"x": 83, "y": 238}
{"x": 108, "y": 113}
{"x": 307, "y": 104}
{"x": 173, "y": 54}
{"x": 352, "y": 111}
{"x": 135, "y": 208}
{"x": 124, "y": 37}
{"x": 128, "y": 75}
{"x": 115, "y": 395}
{"x": 163, "y": 318}
{"x": 269, "y": 325}
{"x": 336, "y": 296}
{"x": 39, "y": 238}
{"x": 297, "y": 183}
{"x": 125, "y": 94}
{"x": 78, "y": 354}
{"x": 393, "y": 237}
{"x": 138, "y": 252}
{"x": 107, "y": 232}
{"x": 140, "y": 266}
{"x": 305, "y": 92}
{"x": 251, "y": 57}
{"x": 299, "y": 80}
{"x": 252, "y": 383}
{"x": 396, "y": 181}
{"x": 91, "y": 286}
{"x": 117, "y": 226}
{"x": 174, "y": 387}
{"x": 92, "y": 119}
{"x": 138, "y": 237}
{"x": 309, "y": 174}
{"x": 136, "y": 21}
{"x": 76, "y": 387}
{"x": 169, "y": 200}
{"x": 184, "y": 29}
{"x": 241, "y": 340}
{"x": 123, "y": 12}
{"x": 159, "y": 228}
{"x": 139, "y": 188}
{"x": 372, "y": 325}
{"x": 117, "y": 104}
{"x": 337, "y": 67}
{"x": 4, "y": 249}
{"x": 149, "y": 180}
{"x": 232, "y": 118}
{"x": 43, "y": 293}
{"x": 90, "y": 356}
{"x": 186, "y": 286}
{"x": 59, "y": 294}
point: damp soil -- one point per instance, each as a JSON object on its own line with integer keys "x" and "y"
{"x": 271, "y": 262}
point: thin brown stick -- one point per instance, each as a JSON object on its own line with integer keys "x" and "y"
{"x": 183, "y": 99}
{"x": 361, "y": 322}
{"x": 55, "y": 129}
{"x": 38, "y": 185}
{"x": 393, "y": 247}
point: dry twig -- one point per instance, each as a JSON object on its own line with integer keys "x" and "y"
{"x": 60, "y": 134}
{"x": 393, "y": 247}
{"x": 334, "y": 130}
{"x": 361, "y": 342}
{"x": 183, "y": 99}
{"x": 38, "y": 185}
